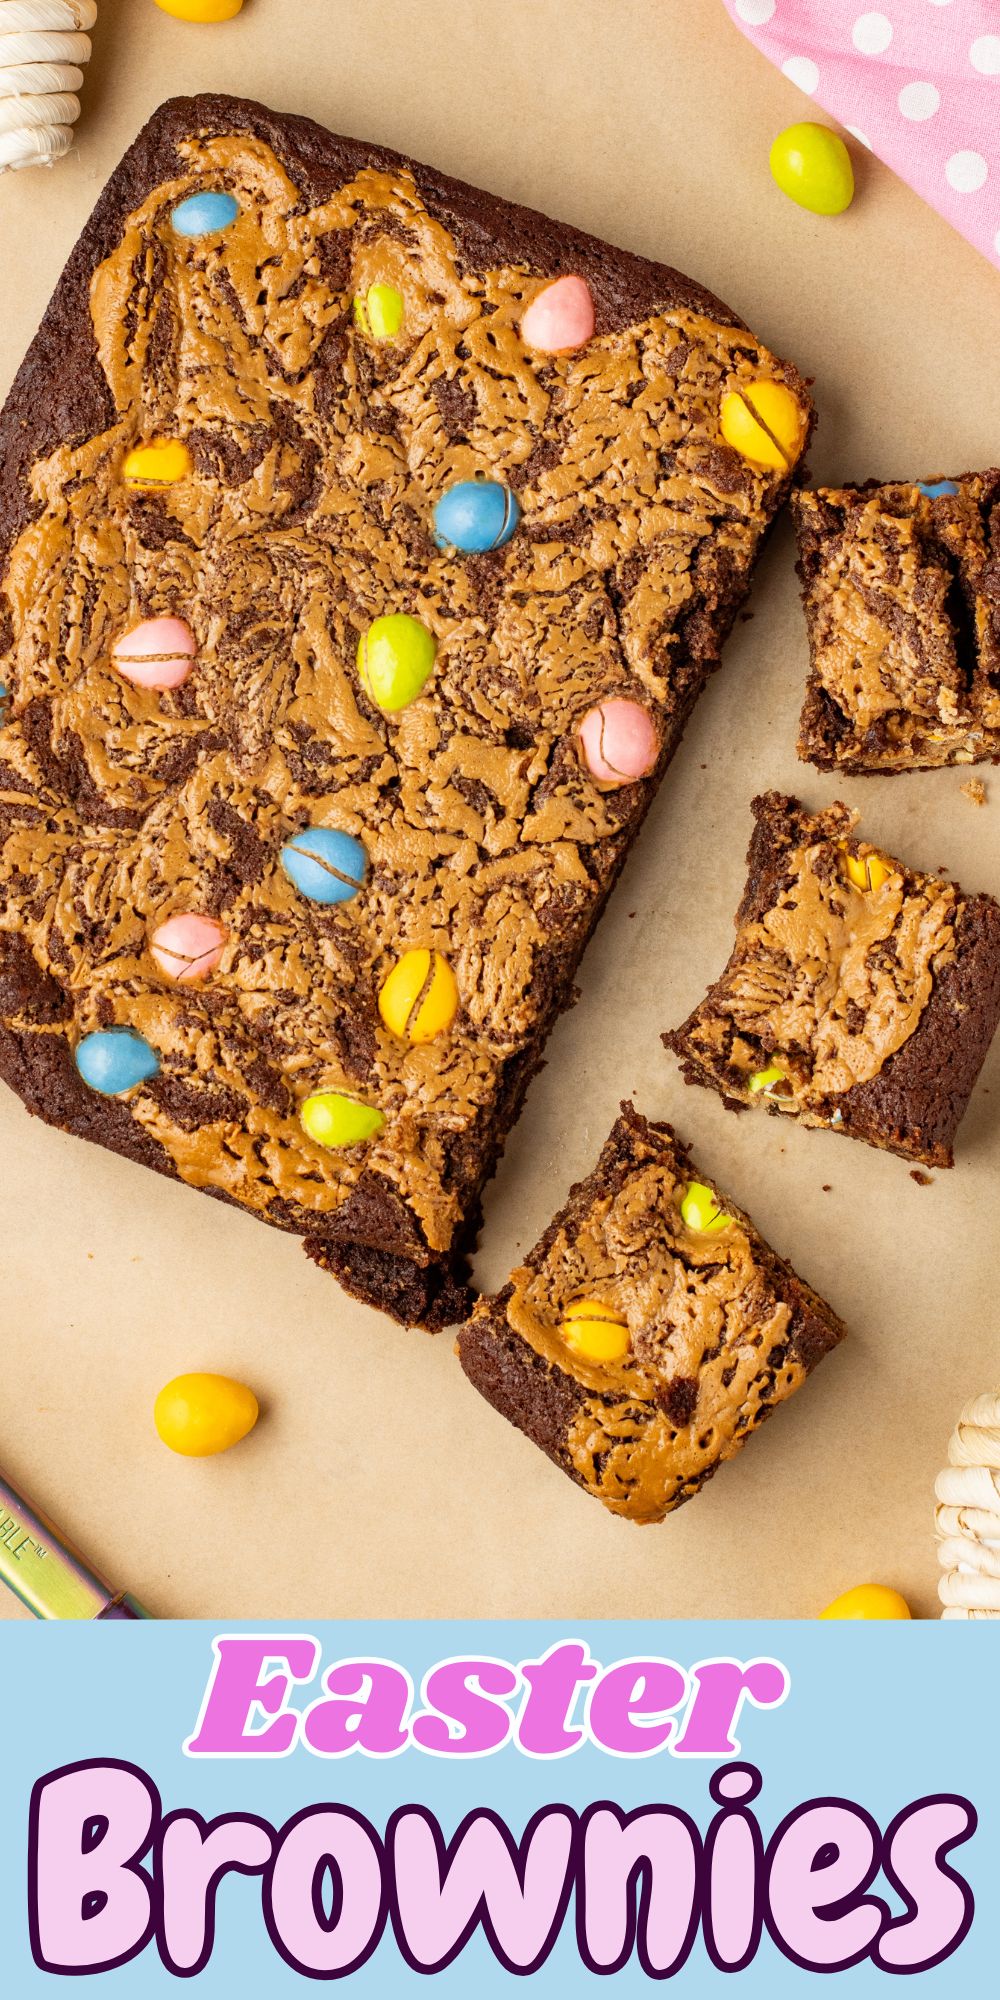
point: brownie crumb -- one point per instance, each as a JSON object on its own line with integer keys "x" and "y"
{"x": 922, "y": 1180}
{"x": 974, "y": 790}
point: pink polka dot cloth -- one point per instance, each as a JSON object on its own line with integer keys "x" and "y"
{"x": 917, "y": 81}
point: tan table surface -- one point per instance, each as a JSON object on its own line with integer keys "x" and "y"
{"x": 377, "y": 1483}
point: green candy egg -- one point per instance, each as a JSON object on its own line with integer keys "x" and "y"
{"x": 395, "y": 658}
{"x": 812, "y": 166}
{"x": 331, "y": 1119}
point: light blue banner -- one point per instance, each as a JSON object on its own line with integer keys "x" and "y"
{"x": 882, "y": 1716}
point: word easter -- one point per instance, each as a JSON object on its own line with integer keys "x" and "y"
{"x": 472, "y": 1707}
{"x": 110, "y": 1872}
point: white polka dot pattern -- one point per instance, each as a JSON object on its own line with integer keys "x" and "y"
{"x": 803, "y": 71}
{"x": 871, "y": 34}
{"x": 916, "y": 81}
{"x": 919, "y": 100}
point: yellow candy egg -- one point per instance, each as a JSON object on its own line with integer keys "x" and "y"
{"x": 201, "y": 10}
{"x": 161, "y": 462}
{"x": 866, "y": 871}
{"x": 868, "y": 1600}
{"x": 763, "y": 422}
{"x": 765, "y": 1079}
{"x": 812, "y": 166}
{"x": 700, "y": 1209}
{"x": 379, "y": 314}
{"x": 199, "y": 1415}
{"x": 594, "y": 1331}
{"x": 419, "y": 999}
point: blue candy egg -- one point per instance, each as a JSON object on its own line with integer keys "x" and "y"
{"x": 204, "y": 214}
{"x": 474, "y": 515}
{"x": 325, "y": 865}
{"x": 114, "y": 1060}
{"x": 3, "y": 703}
{"x": 935, "y": 492}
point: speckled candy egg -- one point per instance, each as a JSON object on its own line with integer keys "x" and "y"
{"x": 325, "y": 865}
{"x": 188, "y": 946}
{"x": 395, "y": 658}
{"x": 115, "y": 1060}
{"x": 205, "y": 214}
{"x": 475, "y": 515}
{"x": 560, "y": 318}
{"x": 159, "y": 653}
{"x": 619, "y": 742}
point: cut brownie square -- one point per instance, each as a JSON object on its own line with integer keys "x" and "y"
{"x": 860, "y": 995}
{"x": 365, "y": 542}
{"x": 649, "y": 1332}
{"x": 901, "y": 586}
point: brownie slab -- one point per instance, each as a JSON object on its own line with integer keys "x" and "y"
{"x": 714, "y": 1329}
{"x": 901, "y": 587}
{"x": 311, "y": 342}
{"x": 861, "y": 995}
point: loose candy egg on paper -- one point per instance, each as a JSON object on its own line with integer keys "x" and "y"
{"x": 395, "y": 658}
{"x": 188, "y": 946}
{"x": 201, "y": 10}
{"x": 161, "y": 462}
{"x": 868, "y": 1600}
{"x": 159, "y": 653}
{"x": 198, "y": 1415}
{"x": 619, "y": 742}
{"x": 419, "y": 999}
{"x": 594, "y": 1331}
{"x": 763, "y": 422}
{"x": 560, "y": 318}
{"x": 475, "y": 515}
{"x": 115, "y": 1060}
{"x": 331, "y": 1118}
{"x": 813, "y": 167}
{"x": 325, "y": 865}
{"x": 205, "y": 214}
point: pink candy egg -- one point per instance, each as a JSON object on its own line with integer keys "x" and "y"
{"x": 159, "y": 653}
{"x": 187, "y": 946}
{"x": 559, "y": 318}
{"x": 619, "y": 742}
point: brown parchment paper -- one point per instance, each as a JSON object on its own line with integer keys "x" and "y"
{"x": 377, "y": 1483}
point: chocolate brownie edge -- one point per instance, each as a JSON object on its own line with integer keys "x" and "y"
{"x": 60, "y": 395}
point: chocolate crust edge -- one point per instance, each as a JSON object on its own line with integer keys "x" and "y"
{"x": 914, "y": 1107}
{"x": 373, "y": 1243}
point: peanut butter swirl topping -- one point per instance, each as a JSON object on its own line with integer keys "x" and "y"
{"x": 712, "y": 1346}
{"x": 317, "y": 454}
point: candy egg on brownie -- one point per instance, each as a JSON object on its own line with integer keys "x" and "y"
{"x": 419, "y": 999}
{"x": 594, "y": 1331}
{"x": 324, "y": 864}
{"x": 160, "y": 462}
{"x": 763, "y": 422}
{"x": 475, "y": 515}
{"x": 205, "y": 214}
{"x": 560, "y": 318}
{"x": 619, "y": 741}
{"x": 115, "y": 1060}
{"x": 188, "y": 946}
{"x": 332, "y": 1118}
{"x": 379, "y": 312}
{"x": 159, "y": 653}
{"x": 395, "y": 658}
